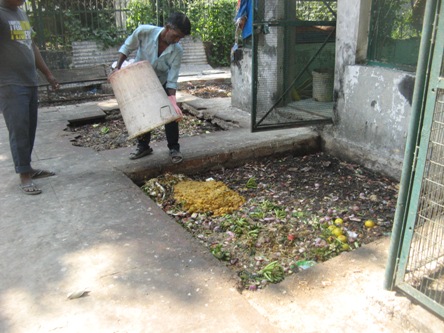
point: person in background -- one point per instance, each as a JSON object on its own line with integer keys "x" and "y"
{"x": 19, "y": 89}
{"x": 244, "y": 20}
{"x": 159, "y": 45}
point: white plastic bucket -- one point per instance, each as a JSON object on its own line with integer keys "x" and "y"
{"x": 323, "y": 79}
{"x": 142, "y": 100}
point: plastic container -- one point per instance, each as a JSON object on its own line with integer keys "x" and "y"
{"x": 323, "y": 84}
{"x": 142, "y": 100}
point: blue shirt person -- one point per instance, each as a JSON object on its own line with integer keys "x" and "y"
{"x": 159, "y": 45}
{"x": 244, "y": 18}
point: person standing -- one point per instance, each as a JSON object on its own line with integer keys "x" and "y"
{"x": 159, "y": 45}
{"x": 244, "y": 20}
{"x": 19, "y": 89}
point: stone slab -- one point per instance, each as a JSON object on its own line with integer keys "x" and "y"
{"x": 86, "y": 114}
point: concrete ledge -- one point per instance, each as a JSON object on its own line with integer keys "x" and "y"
{"x": 225, "y": 149}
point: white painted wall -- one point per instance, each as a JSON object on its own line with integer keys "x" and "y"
{"x": 373, "y": 104}
{"x": 371, "y": 124}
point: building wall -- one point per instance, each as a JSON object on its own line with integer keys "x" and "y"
{"x": 373, "y": 104}
{"x": 372, "y": 118}
{"x": 91, "y": 53}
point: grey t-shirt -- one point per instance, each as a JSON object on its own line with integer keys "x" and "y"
{"x": 17, "y": 60}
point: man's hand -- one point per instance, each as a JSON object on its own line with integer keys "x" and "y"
{"x": 173, "y": 101}
{"x": 53, "y": 82}
{"x": 41, "y": 66}
{"x": 113, "y": 70}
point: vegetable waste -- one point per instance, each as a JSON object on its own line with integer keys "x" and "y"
{"x": 290, "y": 212}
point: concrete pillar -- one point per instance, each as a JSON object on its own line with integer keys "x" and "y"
{"x": 241, "y": 79}
{"x": 352, "y": 26}
{"x": 270, "y": 63}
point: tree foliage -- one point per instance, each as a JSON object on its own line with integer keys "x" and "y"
{"x": 315, "y": 10}
{"x": 213, "y": 23}
{"x": 140, "y": 12}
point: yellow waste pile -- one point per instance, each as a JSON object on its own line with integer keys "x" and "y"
{"x": 204, "y": 197}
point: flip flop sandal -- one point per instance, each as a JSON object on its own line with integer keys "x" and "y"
{"x": 140, "y": 152}
{"x": 176, "y": 156}
{"x": 30, "y": 189}
{"x": 38, "y": 173}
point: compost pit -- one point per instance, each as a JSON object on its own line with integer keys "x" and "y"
{"x": 298, "y": 211}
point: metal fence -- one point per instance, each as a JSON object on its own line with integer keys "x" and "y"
{"x": 58, "y": 23}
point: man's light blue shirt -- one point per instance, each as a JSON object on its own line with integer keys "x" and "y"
{"x": 145, "y": 40}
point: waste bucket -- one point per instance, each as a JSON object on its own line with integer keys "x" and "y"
{"x": 142, "y": 100}
{"x": 323, "y": 84}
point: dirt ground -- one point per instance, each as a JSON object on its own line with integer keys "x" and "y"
{"x": 296, "y": 210}
{"x": 111, "y": 133}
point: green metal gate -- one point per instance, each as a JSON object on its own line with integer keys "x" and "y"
{"x": 416, "y": 263}
{"x": 292, "y": 60}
